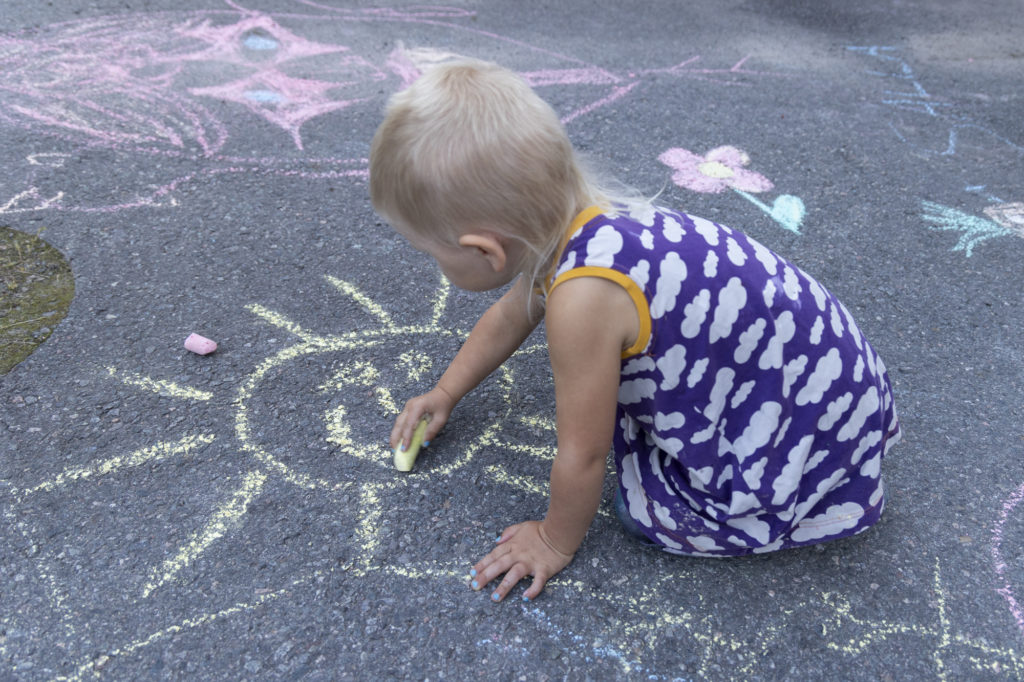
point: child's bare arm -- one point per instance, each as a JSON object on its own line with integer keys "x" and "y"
{"x": 494, "y": 338}
{"x": 589, "y": 322}
{"x": 586, "y": 339}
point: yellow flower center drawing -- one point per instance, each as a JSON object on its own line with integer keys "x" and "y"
{"x": 716, "y": 169}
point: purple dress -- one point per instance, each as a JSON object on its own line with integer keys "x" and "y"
{"x": 752, "y": 413}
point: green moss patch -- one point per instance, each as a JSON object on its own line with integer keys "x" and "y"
{"x": 36, "y": 288}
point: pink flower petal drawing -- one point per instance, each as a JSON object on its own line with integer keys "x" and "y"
{"x": 1010, "y": 216}
{"x": 720, "y": 169}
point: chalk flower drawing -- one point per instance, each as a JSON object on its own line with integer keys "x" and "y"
{"x": 172, "y": 85}
{"x": 724, "y": 168}
{"x": 1005, "y": 220}
{"x": 720, "y": 169}
{"x": 1010, "y": 216}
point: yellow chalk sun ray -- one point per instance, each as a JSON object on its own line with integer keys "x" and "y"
{"x": 362, "y": 299}
{"x": 159, "y": 386}
{"x": 941, "y": 633}
{"x": 92, "y": 667}
{"x": 153, "y": 453}
{"x": 225, "y": 518}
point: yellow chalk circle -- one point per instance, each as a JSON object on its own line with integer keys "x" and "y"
{"x": 404, "y": 458}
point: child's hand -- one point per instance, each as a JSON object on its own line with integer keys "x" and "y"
{"x": 522, "y": 550}
{"x": 437, "y": 404}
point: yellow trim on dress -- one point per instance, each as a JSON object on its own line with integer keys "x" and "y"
{"x": 581, "y": 219}
{"x": 631, "y": 287}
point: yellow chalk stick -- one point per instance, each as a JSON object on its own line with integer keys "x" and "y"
{"x": 404, "y": 458}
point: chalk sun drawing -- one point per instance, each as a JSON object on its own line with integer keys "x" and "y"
{"x": 342, "y": 382}
{"x": 725, "y": 168}
{"x": 365, "y": 362}
{"x": 174, "y": 84}
{"x": 310, "y": 419}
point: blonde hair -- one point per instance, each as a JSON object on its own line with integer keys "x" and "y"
{"x": 470, "y": 144}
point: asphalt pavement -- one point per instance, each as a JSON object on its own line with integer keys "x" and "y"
{"x": 202, "y": 165}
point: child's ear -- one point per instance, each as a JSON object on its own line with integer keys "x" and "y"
{"x": 488, "y": 245}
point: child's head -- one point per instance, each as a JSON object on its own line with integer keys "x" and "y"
{"x": 470, "y": 146}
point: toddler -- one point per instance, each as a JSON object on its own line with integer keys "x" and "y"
{"x": 746, "y": 410}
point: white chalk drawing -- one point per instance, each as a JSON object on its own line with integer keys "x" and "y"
{"x": 1004, "y": 568}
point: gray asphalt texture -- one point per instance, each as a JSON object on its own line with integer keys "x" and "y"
{"x": 234, "y": 516}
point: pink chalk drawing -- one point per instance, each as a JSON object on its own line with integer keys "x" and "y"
{"x": 999, "y": 563}
{"x": 185, "y": 85}
{"x": 267, "y": 90}
{"x": 725, "y": 168}
{"x": 720, "y": 169}
{"x": 1010, "y": 216}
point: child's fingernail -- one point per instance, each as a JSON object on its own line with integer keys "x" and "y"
{"x": 525, "y": 598}
{"x": 472, "y": 573}
{"x": 426, "y": 443}
{"x": 474, "y": 585}
{"x": 401, "y": 447}
{"x": 497, "y": 539}
{"x": 495, "y": 596}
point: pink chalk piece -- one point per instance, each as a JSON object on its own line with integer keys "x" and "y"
{"x": 200, "y": 345}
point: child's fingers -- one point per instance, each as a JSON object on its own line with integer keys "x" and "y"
{"x": 434, "y": 425}
{"x": 404, "y": 426}
{"x": 478, "y": 573}
{"x": 489, "y": 568}
{"x": 535, "y": 588}
{"x": 497, "y": 561}
{"x": 397, "y": 436}
{"x": 511, "y": 579}
{"x": 507, "y": 534}
{"x": 494, "y": 554}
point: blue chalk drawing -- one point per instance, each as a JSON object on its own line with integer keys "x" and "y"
{"x": 255, "y": 41}
{"x": 983, "y": 190}
{"x": 265, "y": 96}
{"x": 787, "y": 210}
{"x": 975, "y": 230}
{"x": 918, "y": 100}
